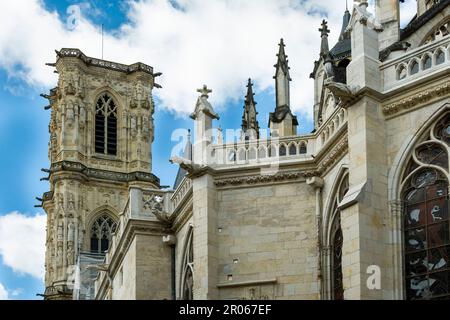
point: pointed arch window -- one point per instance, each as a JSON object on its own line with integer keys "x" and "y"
{"x": 292, "y": 150}
{"x": 106, "y": 126}
{"x": 337, "y": 241}
{"x": 187, "y": 276}
{"x": 303, "y": 148}
{"x": 426, "y": 227}
{"x": 282, "y": 150}
{"x": 101, "y": 232}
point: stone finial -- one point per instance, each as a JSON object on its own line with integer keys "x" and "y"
{"x": 204, "y": 91}
{"x": 324, "y": 30}
{"x": 203, "y": 104}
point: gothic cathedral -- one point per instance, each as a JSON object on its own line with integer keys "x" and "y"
{"x": 356, "y": 209}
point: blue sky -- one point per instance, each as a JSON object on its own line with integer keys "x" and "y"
{"x": 144, "y": 30}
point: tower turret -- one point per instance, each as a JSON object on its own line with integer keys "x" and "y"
{"x": 101, "y": 133}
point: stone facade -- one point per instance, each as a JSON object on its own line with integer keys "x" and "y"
{"x": 316, "y": 216}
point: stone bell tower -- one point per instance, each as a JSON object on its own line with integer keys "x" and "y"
{"x": 101, "y": 134}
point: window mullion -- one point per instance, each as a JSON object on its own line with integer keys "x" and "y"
{"x": 106, "y": 132}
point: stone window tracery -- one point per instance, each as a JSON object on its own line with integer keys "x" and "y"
{"x": 106, "y": 126}
{"x": 101, "y": 232}
{"x": 439, "y": 32}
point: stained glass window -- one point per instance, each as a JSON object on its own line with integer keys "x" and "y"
{"x": 337, "y": 242}
{"x": 426, "y": 231}
{"x": 426, "y": 236}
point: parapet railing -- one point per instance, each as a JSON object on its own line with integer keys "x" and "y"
{"x": 416, "y": 63}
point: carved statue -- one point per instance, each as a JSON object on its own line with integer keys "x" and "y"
{"x": 80, "y": 87}
{"x": 60, "y": 231}
{"x": 69, "y": 88}
{"x": 133, "y": 125}
{"x": 70, "y": 201}
{"x": 71, "y": 232}
{"x": 139, "y": 91}
{"x": 82, "y": 116}
{"x": 145, "y": 128}
{"x": 138, "y": 96}
{"x": 70, "y": 254}
{"x": 70, "y": 115}
{"x": 60, "y": 198}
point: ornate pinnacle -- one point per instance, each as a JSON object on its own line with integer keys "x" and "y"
{"x": 324, "y": 31}
{"x": 250, "y": 94}
{"x": 204, "y": 91}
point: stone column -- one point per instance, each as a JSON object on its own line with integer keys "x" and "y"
{"x": 317, "y": 184}
{"x": 205, "y": 238}
{"x": 204, "y": 203}
{"x": 364, "y": 208}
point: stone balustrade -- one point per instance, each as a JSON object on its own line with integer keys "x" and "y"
{"x": 417, "y": 63}
{"x": 184, "y": 189}
{"x": 330, "y": 128}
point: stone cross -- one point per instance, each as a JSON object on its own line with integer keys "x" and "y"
{"x": 204, "y": 91}
{"x": 324, "y": 30}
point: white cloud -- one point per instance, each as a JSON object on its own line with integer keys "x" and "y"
{"x": 22, "y": 243}
{"x": 17, "y": 292}
{"x": 3, "y": 293}
{"x": 220, "y": 43}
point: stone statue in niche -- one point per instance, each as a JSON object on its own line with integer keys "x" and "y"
{"x": 70, "y": 201}
{"x": 82, "y": 116}
{"x": 139, "y": 98}
{"x": 59, "y": 254}
{"x": 139, "y": 91}
{"x": 60, "y": 231}
{"x": 133, "y": 125}
{"x": 69, "y": 88}
{"x": 145, "y": 128}
{"x": 71, "y": 232}
{"x": 80, "y": 202}
{"x": 70, "y": 114}
{"x": 80, "y": 89}
{"x": 60, "y": 198}
{"x": 70, "y": 254}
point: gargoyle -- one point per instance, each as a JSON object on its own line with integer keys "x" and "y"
{"x": 342, "y": 91}
{"x": 187, "y": 165}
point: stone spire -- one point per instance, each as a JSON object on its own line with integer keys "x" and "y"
{"x": 345, "y": 20}
{"x": 282, "y": 120}
{"x": 250, "y": 125}
{"x": 324, "y": 31}
{"x": 282, "y": 77}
